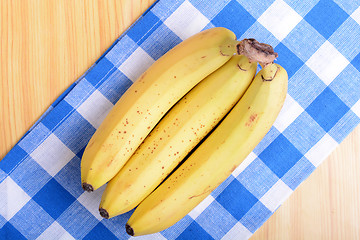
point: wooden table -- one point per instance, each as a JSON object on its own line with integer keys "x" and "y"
{"x": 47, "y": 44}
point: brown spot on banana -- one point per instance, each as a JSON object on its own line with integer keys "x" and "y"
{"x": 198, "y": 195}
{"x": 110, "y": 162}
{"x": 252, "y": 119}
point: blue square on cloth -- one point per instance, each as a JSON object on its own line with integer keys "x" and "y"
{"x": 34, "y": 138}
{"x": 256, "y": 7}
{"x": 302, "y": 7}
{"x": 209, "y": 10}
{"x": 346, "y": 39}
{"x": 356, "y": 62}
{"x": 256, "y": 216}
{"x": 121, "y": 51}
{"x": 216, "y": 220}
{"x": 81, "y": 153}
{"x": 344, "y": 126}
{"x": 100, "y": 232}
{"x": 298, "y": 173}
{"x": 156, "y": 48}
{"x": 348, "y": 6}
{"x": 54, "y": 198}
{"x": 345, "y": 83}
{"x": 15, "y": 156}
{"x": 326, "y": 17}
{"x": 311, "y": 132}
{"x": 140, "y": 32}
{"x": 75, "y": 131}
{"x": 3, "y": 175}
{"x": 30, "y": 176}
{"x": 70, "y": 177}
{"x": 100, "y": 71}
{"x": 327, "y": 109}
{"x": 222, "y": 186}
{"x": 269, "y": 137}
{"x": 80, "y": 93}
{"x": 8, "y": 231}
{"x": 178, "y": 228}
{"x": 234, "y": 17}
{"x": 236, "y": 199}
{"x": 257, "y": 178}
{"x": 57, "y": 115}
{"x": 302, "y": 37}
{"x": 194, "y": 232}
{"x": 31, "y": 220}
{"x": 163, "y": 9}
{"x": 305, "y": 89}
{"x": 61, "y": 97}
{"x": 288, "y": 59}
{"x": 260, "y": 33}
{"x": 77, "y": 220}
{"x": 3, "y": 221}
{"x": 115, "y": 87}
{"x": 280, "y": 155}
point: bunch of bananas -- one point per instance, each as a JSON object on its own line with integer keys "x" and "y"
{"x": 181, "y": 129}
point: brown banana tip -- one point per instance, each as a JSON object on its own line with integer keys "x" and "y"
{"x": 129, "y": 230}
{"x": 87, "y": 187}
{"x": 104, "y": 213}
{"x": 256, "y": 51}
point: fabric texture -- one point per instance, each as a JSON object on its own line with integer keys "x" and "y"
{"x": 317, "y": 42}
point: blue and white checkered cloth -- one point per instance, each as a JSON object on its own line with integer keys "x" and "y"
{"x": 317, "y": 42}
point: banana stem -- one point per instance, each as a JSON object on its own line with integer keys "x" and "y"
{"x": 255, "y": 51}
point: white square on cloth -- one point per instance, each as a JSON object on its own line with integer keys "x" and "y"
{"x": 356, "y": 108}
{"x": 154, "y": 236}
{"x": 186, "y": 21}
{"x": 327, "y": 62}
{"x": 201, "y": 207}
{"x": 95, "y": 108}
{"x": 55, "y": 231}
{"x": 289, "y": 112}
{"x": 356, "y": 15}
{"x": 136, "y": 64}
{"x": 276, "y": 195}
{"x": 279, "y": 19}
{"x": 238, "y": 231}
{"x": 52, "y": 154}
{"x": 321, "y": 150}
{"x": 12, "y": 198}
{"x": 251, "y": 157}
{"x": 91, "y": 201}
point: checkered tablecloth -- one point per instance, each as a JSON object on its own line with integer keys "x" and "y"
{"x": 317, "y": 42}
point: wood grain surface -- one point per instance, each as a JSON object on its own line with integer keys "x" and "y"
{"x": 45, "y": 45}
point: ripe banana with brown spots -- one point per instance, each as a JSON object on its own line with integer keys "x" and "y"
{"x": 146, "y": 101}
{"x": 182, "y": 128}
{"x": 214, "y": 160}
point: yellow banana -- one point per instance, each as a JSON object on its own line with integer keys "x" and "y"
{"x": 182, "y": 128}
{"x": 149, "y": 98}
{"x": 214, "y": 160}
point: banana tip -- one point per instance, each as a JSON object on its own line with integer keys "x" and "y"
{"x": 87, "y": 187}
{"x": 104, "y": 213}
{"x": 129, "y": 230}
